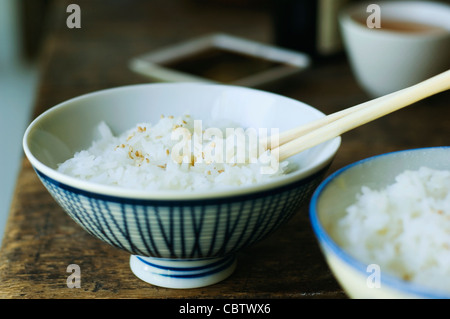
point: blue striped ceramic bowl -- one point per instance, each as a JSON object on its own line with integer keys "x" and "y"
{"x": 176, "y": 239}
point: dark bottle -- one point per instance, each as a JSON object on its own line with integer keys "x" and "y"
{"x": 309, "y": 26}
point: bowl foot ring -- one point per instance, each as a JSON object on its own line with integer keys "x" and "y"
{"x": 182, "y": 273}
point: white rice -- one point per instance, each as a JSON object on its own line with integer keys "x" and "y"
{"x": 141, "y": 158}
{"x": 404, "y": 228}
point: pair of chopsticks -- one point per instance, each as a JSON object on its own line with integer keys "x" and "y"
{"x": 298, "y": 139}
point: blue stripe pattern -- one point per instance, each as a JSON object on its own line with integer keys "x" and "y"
{"x": 190, "y": 272}
{"x": 182, "y": 229}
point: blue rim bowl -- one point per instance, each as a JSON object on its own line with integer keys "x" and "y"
{"x": 338, "y": 191}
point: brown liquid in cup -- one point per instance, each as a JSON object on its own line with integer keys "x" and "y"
{"x": 405, "y": 26}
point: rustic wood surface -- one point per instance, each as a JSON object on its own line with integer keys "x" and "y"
{"x": 41, "y": 240}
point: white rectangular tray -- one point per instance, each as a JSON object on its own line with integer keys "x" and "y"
{"x": 220, "y": 58}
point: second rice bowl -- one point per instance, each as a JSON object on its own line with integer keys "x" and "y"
{"x": 177, "y": 238}
{"x": 383, "y": 224}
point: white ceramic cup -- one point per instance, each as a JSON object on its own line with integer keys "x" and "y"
{"x": 385, "y": 60}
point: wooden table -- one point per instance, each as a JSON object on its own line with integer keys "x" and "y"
{"x": 41, "y": 240}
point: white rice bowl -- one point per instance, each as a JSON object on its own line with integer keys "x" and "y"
{"x": 404, "y": 227}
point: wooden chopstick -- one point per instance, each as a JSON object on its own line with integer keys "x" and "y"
{"x": 289, "y": 135}
{"x": 301, "y": 138}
